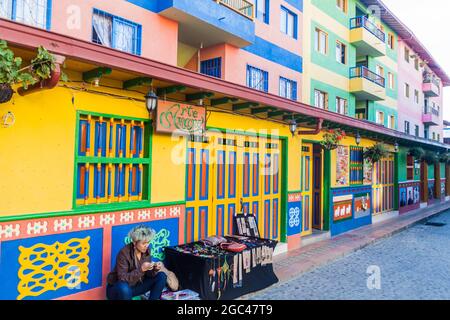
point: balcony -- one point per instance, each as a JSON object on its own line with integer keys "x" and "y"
{"x": 367, "y": 38}
{"x": 430, "y": 117}
{"x": 367, "y": 85}
{"x": 431, "y": 87}
{"x": 211, "y": 22}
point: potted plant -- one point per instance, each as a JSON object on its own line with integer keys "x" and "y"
{"x": 46, "y": 70}
{"x": 376, "y": 152}
{"x": 417, "y": 152}
{"x": 11, "y": 73}
{"x": 444, "y": 157}
{"x": 332, "y": 138}
{"x": 430, "y": 157}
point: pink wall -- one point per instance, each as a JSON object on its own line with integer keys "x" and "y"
{"x": 408, "y": 109}
{"x": 160, "y": 35}
{"x": 272, "y": 31}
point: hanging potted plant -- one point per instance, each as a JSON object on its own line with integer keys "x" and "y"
{"x": 430, "y": 157}
{"x": 46, "y": 70}
{"x": 444, "y": 157}
{"x": 10, "y": 73}
{"x": 376, "y": 152}
{"x": 332, "y": 138}
{"x": 417, "y": 152}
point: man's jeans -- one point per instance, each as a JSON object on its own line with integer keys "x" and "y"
{"x": 121, "y": 290}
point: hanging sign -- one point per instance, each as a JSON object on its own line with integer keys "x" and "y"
{"x": 180, "y": 118}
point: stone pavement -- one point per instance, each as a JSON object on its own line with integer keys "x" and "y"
{"x": 294, "y": 263}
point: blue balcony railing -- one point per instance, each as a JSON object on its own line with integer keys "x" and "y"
{"x": 363, "y": 72}
{"x": 363, "y": 22}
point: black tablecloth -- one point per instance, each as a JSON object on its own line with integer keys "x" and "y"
{"x": 195, "y": 269}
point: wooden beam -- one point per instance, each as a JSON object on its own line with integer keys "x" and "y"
{"x": 136, "y": 82}
{"x": 198, "y": 96}
{"x": 277, "y": 113}
{"x": 169, "y": 90}
{"x": 245, "y": 105}
{"x": 96, "y": 73}
{"x": 225, "y": 100}
{"x": 262, "y": 110}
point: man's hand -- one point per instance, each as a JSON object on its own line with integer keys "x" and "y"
{"x": 146, "y": 266}
{"x": 157, "y": 267}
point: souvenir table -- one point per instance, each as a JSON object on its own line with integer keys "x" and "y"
{"x": 217, "y": 274}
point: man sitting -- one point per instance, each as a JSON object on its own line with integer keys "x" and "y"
{"x": 134, "y": 273}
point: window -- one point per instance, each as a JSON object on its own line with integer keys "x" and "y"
{"x": 36, "y": 13}
{"x": 438, "y": 137}
{"x": 406, "y": 54}
{"x": 212, "y": 67}
{"x": 416, "y": 96}
{"x": 342, "y": 5}
{"x": 341, "y": 106}
{"x": 288, "y": 22}
{"x": 257, "y": 79}
{"x": 112, "y": 160}
{"x": 406, "y": 90}
{"x": 426, "y": 133}
{"x": 391, "y": 41}
{"x": 416, "y": 63}
{"x": 407, "y": 127}
{"x": 391, "y": 80}
{"x": 356, "y": 165}
{"x": 321, "y": 99}
{"x": 409, "y": 167}
{"x": 288, "y": 88}
{"x": 434, "y": 135}
{"x": 380, "y": 118}
{"x": 379, "y": 71}
{"x": 115, "y": 32}
{"x": 262, "y": 8}
{"x": 321, "y": 41}
{"x": 391, "y": 124}
{"x": 416, "y": 131}
{"x": 341, "y": 52}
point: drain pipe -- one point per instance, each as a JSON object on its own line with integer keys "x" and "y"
{"x": 315, "y": 131}
{"x": 46, "y": 84}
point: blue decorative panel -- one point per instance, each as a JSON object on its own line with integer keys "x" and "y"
{"x": 50, "y": 267}
{"x": 166, "y": 235}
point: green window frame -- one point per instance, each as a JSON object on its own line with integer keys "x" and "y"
{"x": 356, "y": 165}
{"x": 112, "y": 160}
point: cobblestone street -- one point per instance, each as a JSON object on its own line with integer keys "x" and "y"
{"x": 413, "y": 264}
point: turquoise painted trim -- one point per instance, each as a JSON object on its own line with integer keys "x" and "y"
{"x": 331, "y": 9}
{"x": 84, "y": 211}
{"x": 49, "y": 14}
{"x": 274, "y": 53}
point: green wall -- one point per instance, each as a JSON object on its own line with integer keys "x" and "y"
{"x": 333, "y": 92}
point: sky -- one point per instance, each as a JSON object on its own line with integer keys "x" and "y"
{"x": 430, "y": 21}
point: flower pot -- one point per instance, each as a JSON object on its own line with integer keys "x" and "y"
{"x": 6, "y": 92}
{"x": 43, "y": 84}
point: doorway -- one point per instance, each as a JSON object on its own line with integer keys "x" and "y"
{"x": 311, "y": 161}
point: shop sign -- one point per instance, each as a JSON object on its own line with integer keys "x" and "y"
{"x": 362, "y": 205}
{"x": 180, "y": 118}
{"x": 342, "y": 207}
{"x": 294, "y": 213}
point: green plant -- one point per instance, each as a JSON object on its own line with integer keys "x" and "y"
{"x": 10, "y": 72}
{"x": 444, "y": 157}
{"x": 376, "y": 152}
{"x": 417, "y": 152}
{"x": 430, "y": 157}
{"x": 332, "y": 138}
{"x": 43, "y": 65}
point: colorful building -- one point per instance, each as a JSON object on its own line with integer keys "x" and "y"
{"x": 251, "y": 86}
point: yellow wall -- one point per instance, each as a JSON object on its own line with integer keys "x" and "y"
{"x": 37, "y": 152}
